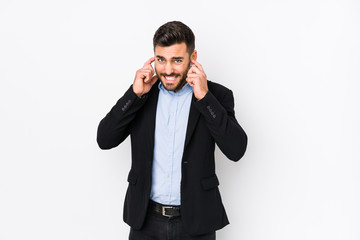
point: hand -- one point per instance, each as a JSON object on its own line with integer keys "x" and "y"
{"x": 196, "y": 78}
{"x": 144, "y": 78}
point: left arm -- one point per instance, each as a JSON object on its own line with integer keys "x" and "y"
{"x": 219, "y": 115}
{"x": 223, "y": 126}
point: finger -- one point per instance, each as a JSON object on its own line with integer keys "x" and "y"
{"x": 192, "y": 75}
{"x": 151, "y": 72}
{"x": 148, "y": 62}
{"x": 149, "y": 67}
{"x": 195, "y": 79}
{"x": 191, "y": 70}
{"x": 194, "y": 69}
{"x": 198, "y": 65}
{"x": 146, "y": 76}
{"x": 191, "y": 80}
{"x": 191, "y": 83}
{"x": 145, "y": 70}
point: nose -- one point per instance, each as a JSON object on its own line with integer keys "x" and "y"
{"x": 168, "y": 68}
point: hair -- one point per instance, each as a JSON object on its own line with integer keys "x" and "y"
{"x": 174, "y": 32}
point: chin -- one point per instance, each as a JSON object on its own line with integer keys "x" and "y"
{"x": 169, "y": 86}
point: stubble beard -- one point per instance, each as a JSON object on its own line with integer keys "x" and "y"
{"x": 181, "y": 83}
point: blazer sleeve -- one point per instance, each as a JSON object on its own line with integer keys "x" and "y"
{"x": 223, "y": 126}
{"x": 114, "y": 128}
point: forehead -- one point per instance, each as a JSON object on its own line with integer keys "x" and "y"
{"x": 175, "y": 50}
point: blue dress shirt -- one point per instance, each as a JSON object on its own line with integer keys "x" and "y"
{"x": 172, "y": 115}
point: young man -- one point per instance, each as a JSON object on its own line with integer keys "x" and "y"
{"x": 174, "y": 117}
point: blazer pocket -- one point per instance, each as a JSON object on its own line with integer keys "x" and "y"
{"x": 132, "y": 177}
{"x": 210, "y": 182}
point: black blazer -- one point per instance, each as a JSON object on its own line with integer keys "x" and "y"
{"x": 211, "y": 120}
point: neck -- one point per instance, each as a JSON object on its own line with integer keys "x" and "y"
{"x": 180, "y": 86}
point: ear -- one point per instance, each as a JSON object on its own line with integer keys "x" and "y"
{"x": 194, "y": 55}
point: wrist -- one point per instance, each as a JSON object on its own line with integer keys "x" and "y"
{"x": 136, "y": 92}
{"x": 202, "y": 95}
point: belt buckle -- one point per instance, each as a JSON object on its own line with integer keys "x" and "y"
{"x": 163, "y": 211}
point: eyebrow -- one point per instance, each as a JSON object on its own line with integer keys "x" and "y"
{"x": 173, "y": 58}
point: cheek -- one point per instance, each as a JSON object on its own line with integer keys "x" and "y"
{"x": 158, "y": 68}
{"x": 180, "y": 69}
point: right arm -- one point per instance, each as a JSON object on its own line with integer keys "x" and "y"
{"x": 116, "y": 125}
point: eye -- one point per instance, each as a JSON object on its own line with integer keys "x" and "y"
{"x": 160, "y": 60}
{"x": 177, "y": 61}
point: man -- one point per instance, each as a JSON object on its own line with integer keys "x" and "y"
{"x": 174, "y": 117}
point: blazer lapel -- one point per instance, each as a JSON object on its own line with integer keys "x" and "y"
{"x": 194, "y": 115}
{"x": 150, "y": 115}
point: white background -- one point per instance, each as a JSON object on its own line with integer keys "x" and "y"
{"x": 293, "y": 67}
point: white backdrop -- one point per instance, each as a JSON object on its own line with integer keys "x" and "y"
{"x": 293, "y": 67}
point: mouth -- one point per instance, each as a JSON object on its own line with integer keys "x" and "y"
{"x": 170, "y": 79}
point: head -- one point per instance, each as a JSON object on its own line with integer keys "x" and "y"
{"x": 174, "y": 47}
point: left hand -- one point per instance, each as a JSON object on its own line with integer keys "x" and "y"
{"x": 196, "y": 78}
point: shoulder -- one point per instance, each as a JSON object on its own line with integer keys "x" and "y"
{"x": 224, "y": 95}
{"x": 218, "y": 90}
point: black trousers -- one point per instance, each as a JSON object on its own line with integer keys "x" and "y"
{"x": 158, "y": 227}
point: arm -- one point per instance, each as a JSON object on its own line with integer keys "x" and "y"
{"x": 223, "y": 126}
{"x": 116, "y": 125}
{"x": 219, "y": 116}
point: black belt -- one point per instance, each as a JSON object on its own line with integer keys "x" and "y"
{"x": 165, "y": 210}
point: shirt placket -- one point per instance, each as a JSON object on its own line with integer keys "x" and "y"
{"x": 172, "y": 127}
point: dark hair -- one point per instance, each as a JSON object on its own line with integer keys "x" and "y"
{"x": 174, "y": 32}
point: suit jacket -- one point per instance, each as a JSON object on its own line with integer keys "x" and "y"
{"x": 211, "y": 120}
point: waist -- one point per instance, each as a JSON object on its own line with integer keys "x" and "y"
{"x": 169, "y": 211}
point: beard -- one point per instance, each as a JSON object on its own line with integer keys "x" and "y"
{"x": 180, "y": 84}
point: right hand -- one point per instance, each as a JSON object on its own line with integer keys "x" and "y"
{"x": 144, "y": 78}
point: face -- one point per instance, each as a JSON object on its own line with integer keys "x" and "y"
{"x": 172, "y": 64}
